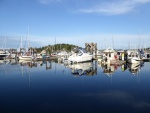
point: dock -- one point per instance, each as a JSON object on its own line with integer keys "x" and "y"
{"x": 146, "y": 60}
{"x": 45, "y": 59}
{"x": 117, "y": 62}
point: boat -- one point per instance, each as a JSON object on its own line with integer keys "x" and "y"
{"x": 62, "y": 53}
{"x": 3, "y": 53}
{"x": 134, "y": 57}
{"x": 80, "y": 55}
{"x": 54, "y": 54}
{"x": 25, "y": 57}
{"x": 145, "y": 55}
{"x": 110, "y": 54}
{"x": 134, "y": 60}
{"x": 42, "y": 56}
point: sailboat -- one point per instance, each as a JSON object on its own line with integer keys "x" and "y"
{"x": 26, "y": 56}
{"x": 134, "y": 56}
{"x": 4, "y": 53}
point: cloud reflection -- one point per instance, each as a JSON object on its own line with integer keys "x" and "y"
{"x": 115, "y": 97}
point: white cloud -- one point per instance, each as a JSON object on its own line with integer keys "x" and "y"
{"x": 44, "y": 1}
{"x": 109, "y": 7}
{"x": 141, "y": 1}
{"x": 114, "y": 7}
{"x": 103, "y": 40}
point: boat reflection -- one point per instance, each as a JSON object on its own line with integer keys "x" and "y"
{"x": 80, "y": 69}
{"x": 4, "y": 61}
{"x": 47, "y": 64}
{"x": 135, "y": 68}
{"x": 109, "y": 69}
{"x": 30, "y": 64}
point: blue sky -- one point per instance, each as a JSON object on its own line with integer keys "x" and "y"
{"x": 76, "y": 22}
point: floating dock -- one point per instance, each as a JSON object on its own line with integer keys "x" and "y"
{"x": 117, "y": 62}
{"x": 45, "y": 59}
{"x": 146, "y": 60}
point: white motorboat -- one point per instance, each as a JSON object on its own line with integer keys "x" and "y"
{"x": 134, "y": 57}
{"x": 134, "y": 60}
{"x": 80, "y": 55}
{"x": 62, "y": 53}
{"x": 4, "y": 54}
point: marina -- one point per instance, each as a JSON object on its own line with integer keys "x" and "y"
{"x": 74, "y": 56}
{"x": 80, "y": 79}
{"x": 65, "y": 81}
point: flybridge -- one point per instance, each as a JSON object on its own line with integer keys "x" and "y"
{"x": 3, "y": 53}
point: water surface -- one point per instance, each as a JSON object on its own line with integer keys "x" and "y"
{"x": 50, "y": 87}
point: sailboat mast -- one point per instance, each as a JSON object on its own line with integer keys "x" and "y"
{"x": 55, "y": 44}
{"x": 5, "y": 42}
{"x": 139, "y": 38}
{"x": 28, "y": 38}
{"x": 21, "y": 42}
{"x": 112, "y": 42}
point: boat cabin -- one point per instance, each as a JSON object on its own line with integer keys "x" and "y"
{"x": 121, "y": 55}
{"x": 110, "y": 54}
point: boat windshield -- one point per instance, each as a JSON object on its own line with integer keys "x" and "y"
{"x": 84, "y": 51}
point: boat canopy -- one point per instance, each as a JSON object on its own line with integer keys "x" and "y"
{"x": 109, "y": 50}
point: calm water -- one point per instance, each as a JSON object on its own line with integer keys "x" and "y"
{"x": 49, "y": 87}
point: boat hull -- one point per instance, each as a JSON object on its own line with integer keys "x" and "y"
{"x": 80, "y": 58}
{"x": 25, "y": 58}
{"x": 2, "y": 56}
{"x": 134, "y": 60}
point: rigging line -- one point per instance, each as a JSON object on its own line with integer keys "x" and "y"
{"x": 4, "y": 68}
{"x": 19, "y": 43}
{"x": 3, "y": 43}
{"x": 29, "y": 74}
{"x": 25, "y": 42}
{"x": 20, "y": 70}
